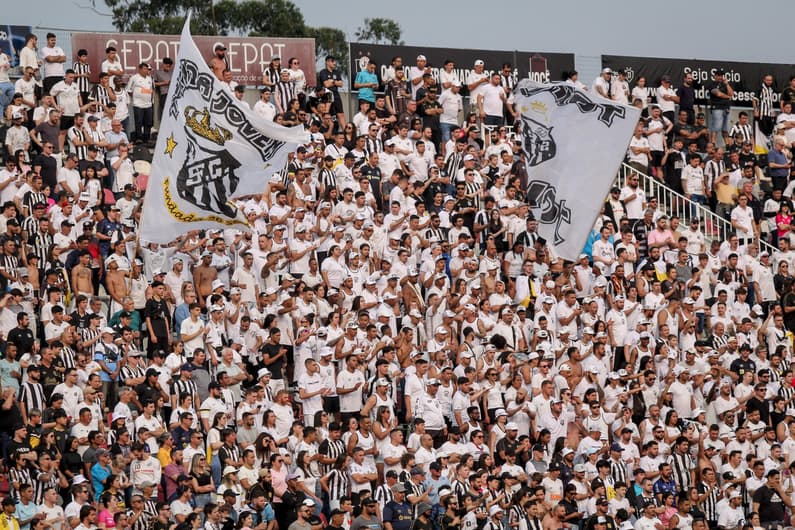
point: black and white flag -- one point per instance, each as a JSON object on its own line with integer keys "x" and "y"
{"x": 573, "y": 143}
{"x": 210, "y": 149}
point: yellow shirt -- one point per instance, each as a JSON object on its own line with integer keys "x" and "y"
{"x": 8, "y": 522}
{"x": 725, "y": 193}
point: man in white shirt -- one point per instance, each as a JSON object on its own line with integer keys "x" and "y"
{"x": 452, "y": 105}
{"x": 491, "y": 100}
{"x": 349, "y": 387}
{"x": 649, "y": 521}
{"x": 733, "y": 515}
{"x": 667, "y": 98}
{"x": 141, "y": 90}
{"x": 264, "y": 107}
{"x": 639, "y": 150}
{"x": 476, "y": 79}
{"x": 742, "y": 219}
{"x": 53, "y": 58}
{"x": 112, "y": 65}
{"x": 67, "y": 94}
{"x": 619, "y": 89}
{"x": 601, "y": 84}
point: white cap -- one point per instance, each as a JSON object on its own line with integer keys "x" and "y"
{"x": 500, "y": 412}
{"x": 494, "y": 510}
{"x": 511, "y": 426}
{"x": 479, "y": 62}
{"x": 216, "y": 284}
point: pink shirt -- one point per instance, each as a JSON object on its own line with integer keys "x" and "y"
{"x": 656, "y": 236}
{"x": 106, "y": 518}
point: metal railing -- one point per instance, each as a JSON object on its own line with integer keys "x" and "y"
{"x": 672, "y": 203}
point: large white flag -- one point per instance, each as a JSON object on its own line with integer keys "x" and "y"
{"x": 573, "y": 143}
{"x": 209, "y": 150}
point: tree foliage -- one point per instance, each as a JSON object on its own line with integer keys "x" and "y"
{"x": 380, "y": 31}
{"x": 331, "y": 41}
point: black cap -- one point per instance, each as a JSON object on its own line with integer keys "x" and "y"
{"x": 219, "y": 47}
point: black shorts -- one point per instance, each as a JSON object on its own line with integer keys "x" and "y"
{"x": 67, "y": 122}
{"x": 331, "y": 403}
{"x": 336, "y": 105}
{"x": 656, "y": 158}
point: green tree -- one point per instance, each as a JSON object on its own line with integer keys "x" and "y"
{"x": 380, "y": 31}
{"x": 273, "y": 18}
{"x": 331, "y": 41}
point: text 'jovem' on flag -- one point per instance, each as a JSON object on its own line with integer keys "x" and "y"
{"x": 210, "y": 149}
{"x": 573, "y": 144}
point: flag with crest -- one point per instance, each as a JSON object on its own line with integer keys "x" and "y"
{"x": 573, "y": 143}
{"x": 210, "y": 149}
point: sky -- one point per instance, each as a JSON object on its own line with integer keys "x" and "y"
{"x": 682, "y": 29}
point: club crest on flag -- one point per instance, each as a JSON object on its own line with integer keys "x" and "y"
{"x": 539, "y": 145}
{"x": 207, "y": 178}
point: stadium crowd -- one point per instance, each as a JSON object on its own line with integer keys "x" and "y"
{"x": 392, "y": 346}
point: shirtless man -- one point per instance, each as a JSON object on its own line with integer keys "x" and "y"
{"x": 203, "y": 276}
{"x": 116, "y": 282}
{"x": 218, "y": 62}
{"x": 555, "y": 518}
{"x": 81, "y": 275}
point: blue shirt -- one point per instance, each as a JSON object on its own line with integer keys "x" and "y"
{"x": 777, "y": 157}
{"x": 25, "y": 511}
{"x": 99, "y": 355}
{"x": 6, "y": 379}
{"x": 399, "y": 514}
{"x": 366, "y": 93}
{"x": 662, "y": 486}
{"x": 98, "y": 476}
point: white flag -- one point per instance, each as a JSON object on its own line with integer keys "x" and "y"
{"x": 761, "y": 143}
{"x": 209, "y": 150}
{"x": 573, "y": 143}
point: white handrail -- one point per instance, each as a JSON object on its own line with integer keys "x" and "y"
{"x": 673, "y": 203}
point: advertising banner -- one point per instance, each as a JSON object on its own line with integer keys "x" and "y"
{"x": 12, "y": 40}
{"x": 248, "y": 57}
{"x": 745, "y": 78}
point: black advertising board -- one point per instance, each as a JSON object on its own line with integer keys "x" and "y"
{"x": 540, "y": 66}
{"x": 745, "y": 78}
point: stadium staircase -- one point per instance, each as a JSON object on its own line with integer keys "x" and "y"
{"x": 672, "y": 203}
